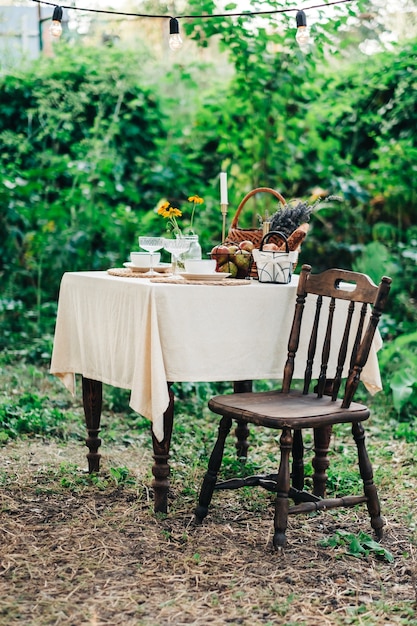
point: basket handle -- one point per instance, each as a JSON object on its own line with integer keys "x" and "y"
{"x": 249, "y": 195}
{"x": 277, "y": 233}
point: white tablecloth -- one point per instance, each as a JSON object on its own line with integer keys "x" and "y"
{"x": 137, "y": 335}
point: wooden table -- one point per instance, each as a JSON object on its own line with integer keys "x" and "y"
{"x": 143, "y": 336}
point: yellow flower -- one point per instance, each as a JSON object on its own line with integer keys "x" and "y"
{"x": 196, "y": 199}
{"x": 168, "y": 211}
{"x": 171, "y": 213}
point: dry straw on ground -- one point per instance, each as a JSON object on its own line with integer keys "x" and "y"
{"x": 97, "y": 555}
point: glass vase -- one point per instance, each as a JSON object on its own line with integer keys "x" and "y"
{"x": 194, "y": 251}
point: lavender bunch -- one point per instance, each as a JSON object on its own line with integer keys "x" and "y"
{"x": 290, "y": 217}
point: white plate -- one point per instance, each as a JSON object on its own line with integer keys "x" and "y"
{"x": 161, "y": 268}
{"x": 209, "y": 277}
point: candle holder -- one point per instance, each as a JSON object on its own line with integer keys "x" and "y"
{"x": 223, "y": 208}
{"x": 223, "y": 201}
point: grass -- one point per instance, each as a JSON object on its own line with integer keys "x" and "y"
{"x": 81, "y": 549}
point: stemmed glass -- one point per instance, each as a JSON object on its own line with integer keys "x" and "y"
{"x": 151, "y": 245}
{"x": 176, "y": 247}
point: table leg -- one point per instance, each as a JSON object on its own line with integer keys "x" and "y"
{"x": 92, "y": 402}
{"x": 160, "y": 468}
{"x": 242, "y": 430}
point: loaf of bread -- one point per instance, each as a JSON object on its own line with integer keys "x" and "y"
{"x": 296, "y": 238}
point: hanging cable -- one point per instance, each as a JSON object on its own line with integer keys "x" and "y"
{"x": 190, "y": 17}
{"x": 175, "y": 41}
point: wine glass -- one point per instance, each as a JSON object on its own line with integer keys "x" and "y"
{"x": 151, "y": 245}
{"x": 176, "y": 247}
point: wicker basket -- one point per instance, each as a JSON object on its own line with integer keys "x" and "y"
{"x": 236, "y": 234}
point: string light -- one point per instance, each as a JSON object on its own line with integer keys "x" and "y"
{"x": 175, "y": 41}
{"x": 56, "y": 27}
{"x": 303, "y": 34}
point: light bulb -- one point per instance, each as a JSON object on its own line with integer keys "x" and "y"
{"x": 303, "y": 34}
{"x": 56, "y": 27}
{"x": 175, "y": 41}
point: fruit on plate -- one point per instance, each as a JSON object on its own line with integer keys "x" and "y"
{"x": 233, "y": 258}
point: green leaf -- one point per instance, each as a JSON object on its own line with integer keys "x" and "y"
{"x": 378, "y": 550}
{"x": 356, "y": 548}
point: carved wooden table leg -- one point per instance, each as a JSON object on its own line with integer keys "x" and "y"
{"x": 160, "y": 468}
{"x": 242, "y": 431}
{"x": 92, "y": 402}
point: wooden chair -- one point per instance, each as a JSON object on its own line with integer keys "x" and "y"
{"x": 291, "y": 410}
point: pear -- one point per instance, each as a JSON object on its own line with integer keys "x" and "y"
{"x": 233, "y": 248}
{"x": 229, "y": 268}
{"x": 243, "y": 259}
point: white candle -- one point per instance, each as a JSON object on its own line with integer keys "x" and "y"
{"x": 223, "y": 188}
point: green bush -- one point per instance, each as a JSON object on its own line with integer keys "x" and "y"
{"x": 90, "y": 141}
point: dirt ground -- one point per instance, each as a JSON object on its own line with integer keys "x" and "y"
{"x": 79, "y": 554}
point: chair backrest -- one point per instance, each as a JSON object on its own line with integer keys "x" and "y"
{"x": 336, "y": 285}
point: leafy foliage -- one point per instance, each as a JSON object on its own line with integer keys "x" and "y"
{"x": 399, "y": 361}
{"x": 360, "y": 545}
{"x": 31, "y": 414}
{"x": 90, "y": 141}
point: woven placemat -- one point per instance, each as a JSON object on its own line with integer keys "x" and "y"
{"x": 229, "y": 282}
{"x": 125, "y": 272}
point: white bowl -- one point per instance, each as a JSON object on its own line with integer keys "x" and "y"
{"x": 143, "y": 259}
{"x": 200, "y": 266}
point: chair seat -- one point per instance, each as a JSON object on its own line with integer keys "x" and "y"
{"x": 296, "y": 410}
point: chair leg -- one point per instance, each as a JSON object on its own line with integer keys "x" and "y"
{"x": 242, "y": 433}
{"x": 242, "y": 429}
{"x": 210, "y": 479}
{"x": 283, "y": 487}
{"x": 298, "y": 461}
{"x": 321, "y": 460}
{"x": 369, "y": 488}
